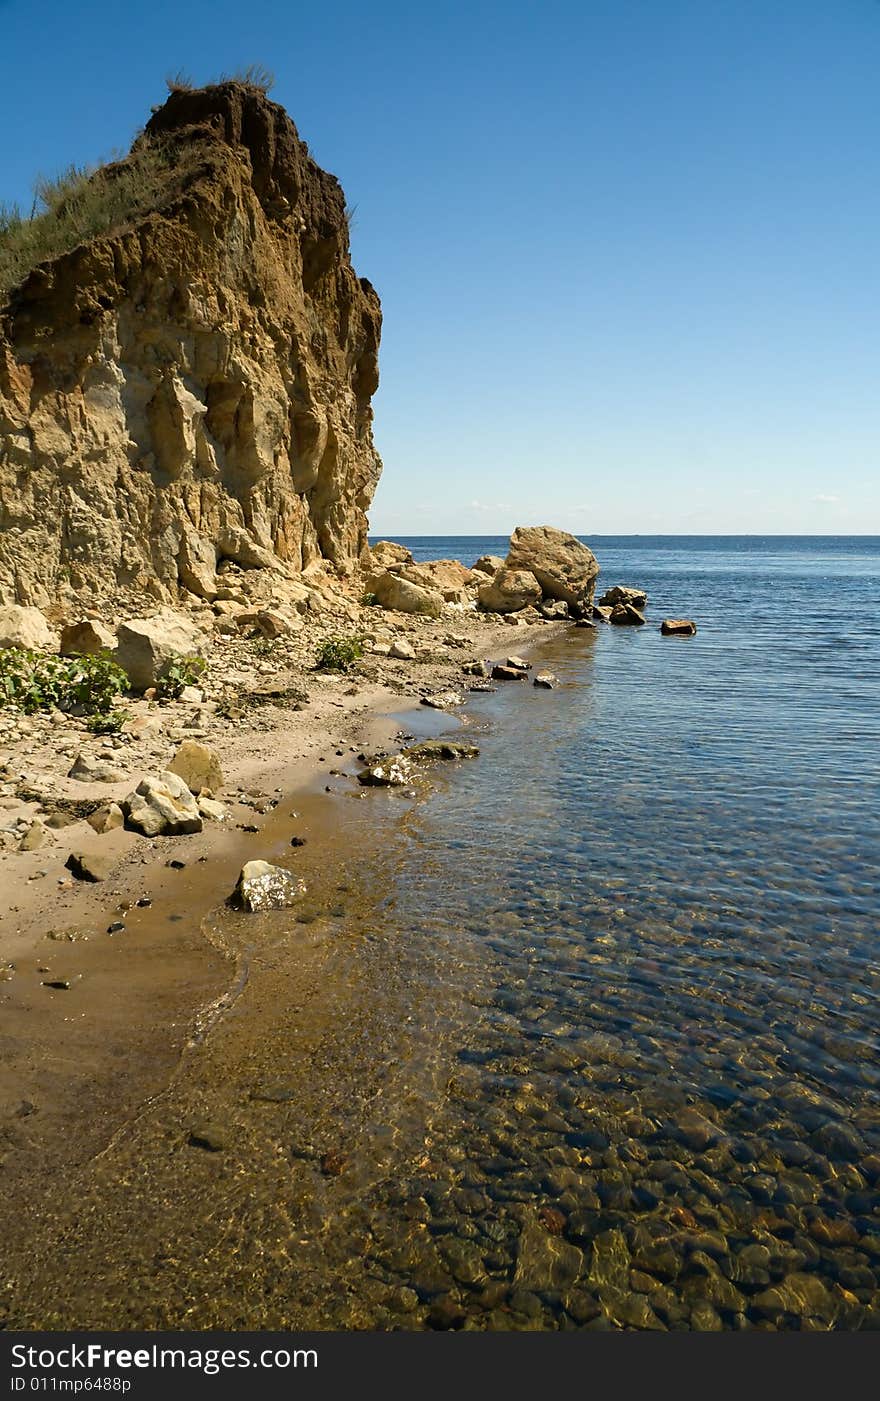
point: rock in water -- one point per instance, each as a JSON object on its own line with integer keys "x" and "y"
{"x": 162, "y": 806}
{"x": 265, "y": 887}
{"x": 621, "y": 594}
{"x": 508, "y": 673}
{"x": 194, "y": 385}
{"x": 563, "y": 566}
{"x": 678, "y": 627}
{"x": 510, "y": 591}
{"x": 546, "y": 680}
{"x": 625, "y": 615}
{"x": 198, "y": 766}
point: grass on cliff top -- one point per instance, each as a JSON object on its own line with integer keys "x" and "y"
{"x": 84, "y": 203}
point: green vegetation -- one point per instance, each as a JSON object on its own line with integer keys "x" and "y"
{"x": 41, "y": 681}
{"x": 254, "y": 76}
{"x": 82, "y": 204}
{"x": 369, "y": 600}
{"x": 339, "y": 653}
{"x": 109, "y": 724}
{"x": 178, "y": 672}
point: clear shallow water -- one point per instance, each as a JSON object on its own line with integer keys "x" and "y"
{"x": 669, "y": 868}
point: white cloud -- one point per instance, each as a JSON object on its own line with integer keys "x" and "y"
{"x": 824, "y": 500}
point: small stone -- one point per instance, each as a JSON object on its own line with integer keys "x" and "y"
{"x": 517, "y": 664}
{"x": 262, "y": 886}
{"x": 117, "y": 927}
{"x": 545, "y": 680}
{"x": 443, "y": 700}
{"x": 507, "y": 673}
{"x": 678, "y": 627}
{"x": 333, "y": 1163}
{"x": 107, "y": 818}
{"x": 36, "y": 836}
{"x": 62, "y": 984}
{"x": 213, "y": 1138}
{"x": 176, "y": 864}
{"x": 90, "y": 866}
{"x": 402, "y": 650}
{"x": 297, "y": 841}
{"x": 86, "y": 770}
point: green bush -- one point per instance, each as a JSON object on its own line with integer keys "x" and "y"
{"x": 339, "y": 653}
{"x": 178, "y": 672}
{"x": 41, "y": 681}
{"x": 109, "y": 724}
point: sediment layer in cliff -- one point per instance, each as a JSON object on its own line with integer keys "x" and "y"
{"x": 193, "y": 385}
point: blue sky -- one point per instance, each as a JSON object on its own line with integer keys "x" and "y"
{"x": 627, "y": 250}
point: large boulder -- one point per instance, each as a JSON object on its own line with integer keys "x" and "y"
{"x": 198, "y": 766}
{"x": 399, "y": 594}
{"x": 446, "y": 576}
{"x": 147, "y": 645}
{"x": 262, "y": 886}
{"x": 510, "y": 591}
{"x": 488, "y": 564}
{"x": 562, "y": 565}
{"x": 25, "y": 627}
{"x": 162, "y": 806}
{"x": 86, "y": 639}
{"x": 385, "y": 553}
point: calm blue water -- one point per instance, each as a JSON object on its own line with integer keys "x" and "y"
{"x": 668, "y": 870}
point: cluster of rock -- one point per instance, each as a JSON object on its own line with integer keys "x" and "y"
{"x": 547, "y": 571}
{"x": 625, "y": 607}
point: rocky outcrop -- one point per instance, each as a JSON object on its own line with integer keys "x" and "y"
{"x": 564, "y": 567}
{"x": 195, "y": 385}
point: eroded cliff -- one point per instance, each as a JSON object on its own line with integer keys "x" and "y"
{"x": 194, "y": 385}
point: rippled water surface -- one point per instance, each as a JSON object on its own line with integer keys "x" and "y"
{"x": 670, "y": 866}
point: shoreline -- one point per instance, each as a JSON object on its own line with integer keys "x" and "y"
{"x": 82, "y": 1064}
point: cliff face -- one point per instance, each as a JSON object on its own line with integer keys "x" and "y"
{"x": 195, "y": 385}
